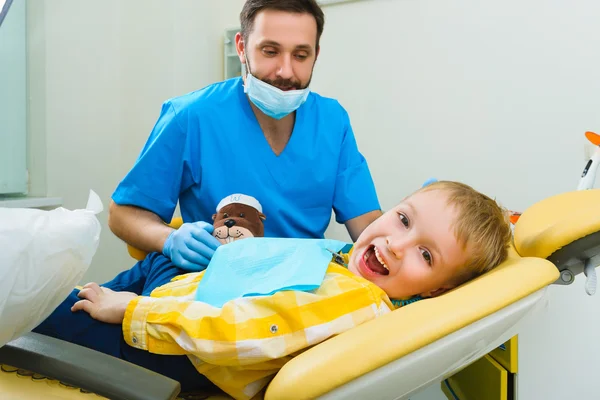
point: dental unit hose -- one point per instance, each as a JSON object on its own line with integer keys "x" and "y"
{"x": 590, "y": 272}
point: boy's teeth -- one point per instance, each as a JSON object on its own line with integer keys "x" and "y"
{"x": 379, "y": 259}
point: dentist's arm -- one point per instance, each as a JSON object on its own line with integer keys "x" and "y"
{"x": 190, "y": 247}
{"x": 137, "y": 227}
{"x": 356, "y": 225}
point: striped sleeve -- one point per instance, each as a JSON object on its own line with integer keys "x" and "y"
{"x": 252, "y": 330}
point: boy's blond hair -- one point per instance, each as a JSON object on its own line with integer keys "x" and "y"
{"x": 482, "y": 227}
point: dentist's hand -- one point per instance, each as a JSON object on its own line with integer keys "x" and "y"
{"x": 191, "y": 246}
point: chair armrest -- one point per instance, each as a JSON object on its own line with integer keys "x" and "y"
{"x": 87, "y": 369}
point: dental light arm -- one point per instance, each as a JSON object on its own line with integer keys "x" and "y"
{"x": 588, "y": 176}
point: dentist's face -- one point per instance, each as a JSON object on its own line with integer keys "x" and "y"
{"x": 281, "y": 49}
{"x": 411, "y": 249}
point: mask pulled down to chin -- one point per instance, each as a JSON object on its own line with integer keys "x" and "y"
{"x": 273, "y": 101}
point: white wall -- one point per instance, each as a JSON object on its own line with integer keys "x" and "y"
{"x": 495, "y": 94}
{"x": 99, "y": 72}
{"x": 13, "y": 101}
{"x": 515, "y": 82}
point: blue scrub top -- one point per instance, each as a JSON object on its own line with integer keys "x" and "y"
{"x": 208, "y": 144}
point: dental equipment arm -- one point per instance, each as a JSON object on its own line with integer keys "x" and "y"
{"x": 590, "y": 272}
{"x": 87, "y": 369}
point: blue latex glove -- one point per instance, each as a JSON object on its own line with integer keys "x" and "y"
{"x": 429, "y": 181}
{"x": 191, "y": 246}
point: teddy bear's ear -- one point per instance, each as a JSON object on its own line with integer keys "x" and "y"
{"x": 214, "y": 216}
{"x": 262, "y": 216}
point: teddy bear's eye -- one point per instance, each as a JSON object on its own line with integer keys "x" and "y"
{"x": 225, "y": 215}
{"x": 241, "y": 215}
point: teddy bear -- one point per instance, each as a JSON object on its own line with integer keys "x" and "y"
{"x": 238, "y": 216}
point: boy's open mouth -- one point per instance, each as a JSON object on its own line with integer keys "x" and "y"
{"x": 374, "y": 262}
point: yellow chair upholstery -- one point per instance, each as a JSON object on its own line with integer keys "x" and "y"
{"x": 553, "y": 223}
{"x": 17, "y": 385}
{"x": 140, "y": 254}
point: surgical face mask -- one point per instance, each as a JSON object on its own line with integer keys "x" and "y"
{"x": 272, "y": 101}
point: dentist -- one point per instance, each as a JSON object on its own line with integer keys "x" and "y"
{"x": 264, "y": 134}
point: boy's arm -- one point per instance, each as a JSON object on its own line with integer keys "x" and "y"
{"x": 244, "y": 331}
{"x": 103, "y": 304}
{"x": 248, "y": 330}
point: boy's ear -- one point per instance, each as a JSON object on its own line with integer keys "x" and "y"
{"x": 262, "y": 216}
{"x": 214, "y": 216}
{"x": 438, "y": 292}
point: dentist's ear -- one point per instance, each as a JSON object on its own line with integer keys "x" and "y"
{"x": 240, "y": 47}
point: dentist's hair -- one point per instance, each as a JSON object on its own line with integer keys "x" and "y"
{"x": 253, "y": 7}
{"x": 482, "y": 226}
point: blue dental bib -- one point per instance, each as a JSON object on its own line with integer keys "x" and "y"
{"x": 263, "y": 266}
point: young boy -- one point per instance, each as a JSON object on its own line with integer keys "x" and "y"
{"x": 436, "y": 239}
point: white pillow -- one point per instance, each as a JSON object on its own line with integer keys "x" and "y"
{"x": 43, "y": 255}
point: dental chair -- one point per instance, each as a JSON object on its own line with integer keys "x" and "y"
{"x": 392, "y": 357}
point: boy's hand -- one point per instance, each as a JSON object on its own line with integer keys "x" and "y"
{"x": 102, "y": 303}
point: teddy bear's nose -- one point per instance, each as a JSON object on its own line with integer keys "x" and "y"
{"x": 229, "y": 223}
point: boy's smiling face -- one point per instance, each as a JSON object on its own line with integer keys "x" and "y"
{"x": 411, "y": 249}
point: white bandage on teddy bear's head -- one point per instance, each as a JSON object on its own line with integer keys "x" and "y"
{"x": 241, "y": 199}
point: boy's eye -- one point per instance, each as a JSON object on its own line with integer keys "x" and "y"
{"x": 225, "y": 215}
{"x": 403, "y": 219}
{"x": 242, "y": 215}
{"x": 427, "y": 256}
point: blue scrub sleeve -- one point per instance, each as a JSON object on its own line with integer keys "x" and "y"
{"x": 154, "y": 182}
{"x": 354, "y": 188}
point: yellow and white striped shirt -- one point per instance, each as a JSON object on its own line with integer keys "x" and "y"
{"x": 241, "y": 346}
